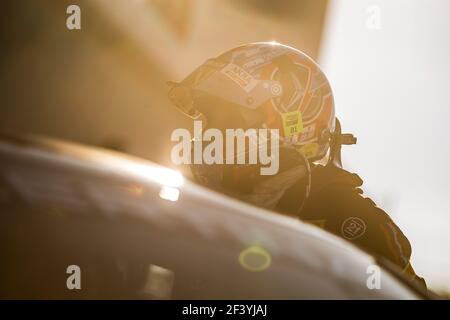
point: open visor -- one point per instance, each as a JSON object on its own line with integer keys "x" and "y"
{"x": 226, "y": 81}
{"x": 181, "y": 98}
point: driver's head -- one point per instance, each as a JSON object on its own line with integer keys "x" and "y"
{"x": 261, "y": 85}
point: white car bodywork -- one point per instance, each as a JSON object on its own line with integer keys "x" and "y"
{"x": 195, "y": 243}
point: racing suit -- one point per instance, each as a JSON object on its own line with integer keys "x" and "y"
{"x": 335, "y": 202}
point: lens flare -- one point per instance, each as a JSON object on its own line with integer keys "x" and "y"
{"x": 255, "y": 259}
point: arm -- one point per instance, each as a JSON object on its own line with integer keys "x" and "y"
{"x": 338, "y": 201}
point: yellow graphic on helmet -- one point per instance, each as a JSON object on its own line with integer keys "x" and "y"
{"x": 310, "y": 150}
{"x": 292, "y": 123}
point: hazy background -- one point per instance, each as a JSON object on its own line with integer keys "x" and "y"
{"x": 388, "y": 62}
{"x": 391, "y": 88}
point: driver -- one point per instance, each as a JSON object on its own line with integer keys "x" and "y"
{"x": 273, "y": 86}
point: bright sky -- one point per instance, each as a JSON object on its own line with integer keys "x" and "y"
{"x": 392, "y": 89}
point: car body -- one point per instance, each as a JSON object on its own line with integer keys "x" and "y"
{"x": 131, "y": 229}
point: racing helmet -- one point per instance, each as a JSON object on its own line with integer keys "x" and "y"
{"x": 263, "y": 85}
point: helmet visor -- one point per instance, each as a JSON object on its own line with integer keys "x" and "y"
{"x": 181, "y": 98}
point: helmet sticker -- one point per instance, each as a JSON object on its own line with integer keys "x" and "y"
{"x": 244, "y": 79}
{"x": 292, "y": 123}
{"x": 310, "y": 150}
{"x": 307, "y": 133}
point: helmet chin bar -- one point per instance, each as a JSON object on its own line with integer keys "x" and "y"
{"x": 337, "y": 140}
